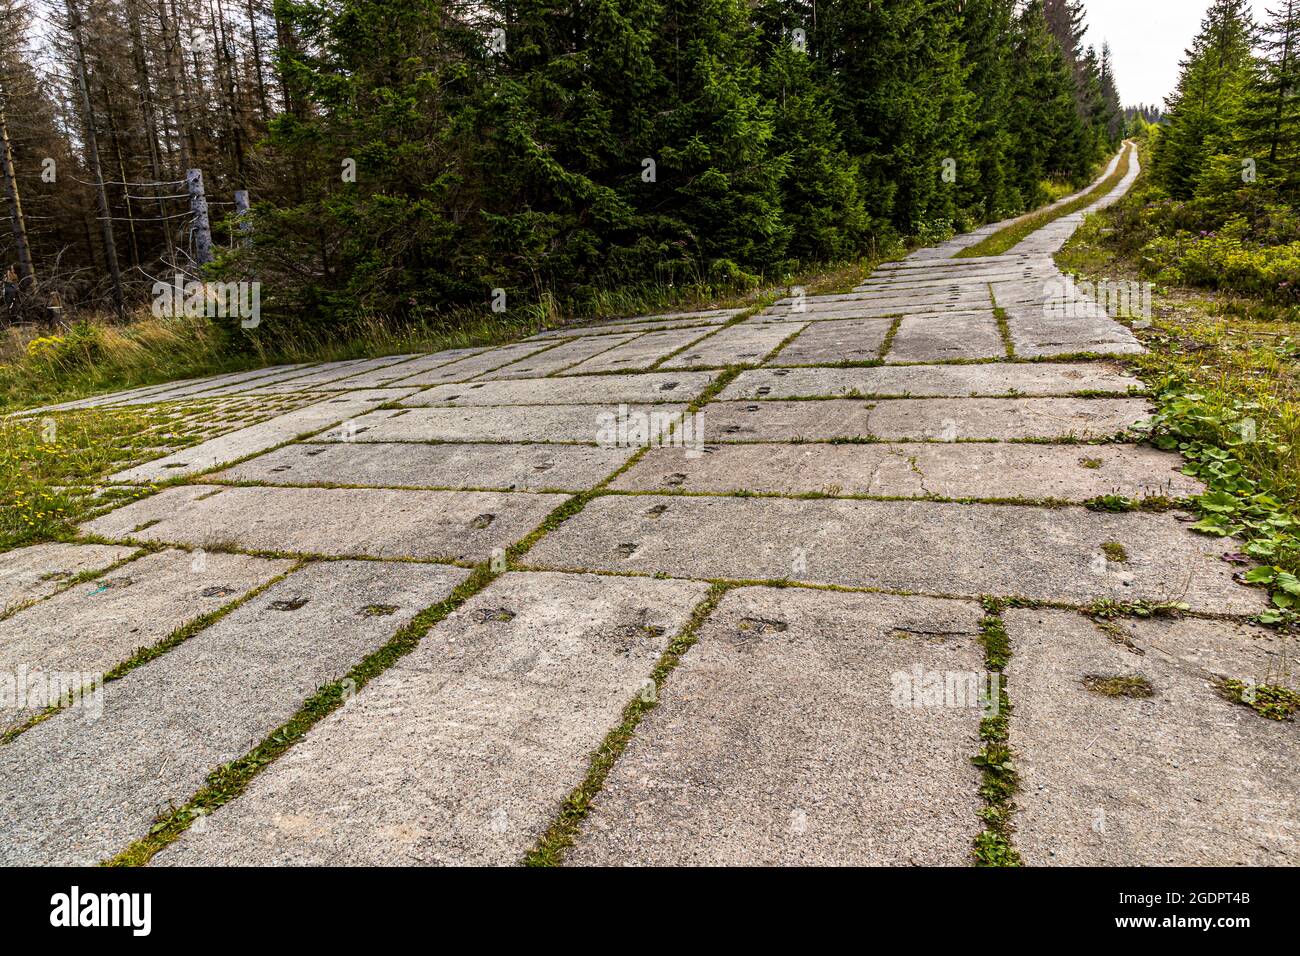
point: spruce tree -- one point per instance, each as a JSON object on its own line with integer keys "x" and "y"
{"x": 1271, "y": 116}
{"x": 716, "y": 192}
{"x": 989, "y": 191}
{"x": 1205, "y": 106}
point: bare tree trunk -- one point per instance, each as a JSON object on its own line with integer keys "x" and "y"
{"x": 92, "y": 160}
{"x": 17, "y": 223}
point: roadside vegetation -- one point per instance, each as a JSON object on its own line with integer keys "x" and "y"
{"x": 1213, "y": 223}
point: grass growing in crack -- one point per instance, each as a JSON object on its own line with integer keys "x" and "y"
{"x": 1000, "y": 781}
{"x": 888, "y": 343}
{"x": 1114, "y": 551}
{"x": 560, "y": 835}
{"x": 232, "y": 779}
{"x": 1107, "y": 609}
{"x": 1004, "y": 239}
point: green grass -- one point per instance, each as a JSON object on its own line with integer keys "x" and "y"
{"x": 1119, "y": 685}
{"x": 1004, "y": 239}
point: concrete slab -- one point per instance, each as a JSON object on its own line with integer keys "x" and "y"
{"x": 958, "y": 336}
{"x": 75, "y": 790}
{"x": 507, "y": 423}
{"x": 1179, "y": 778}
{"x": 934, "y": 381}
{"x": 841, "y": 311}
{"x": 646, "y": 388}
{"x": 680, "y": 320}
{"x": 733, "y": 345}
{"x": 931, "y": 419}
{"x": 824, "y": 342}
{"x": 448, "y": 525}
{"x": 876, "y": 309}
{"x": 465, "y": 369}
{"x": 1216, "y": 649}
{"x": 209, "y": 387}
{"x": 28, "y": 574}
{"x": 783, "y": 738}
{"x": 559, "y": 358}
{"x": 331, "y": 375}
{"x": 248, "y": 441}
{"x": 464, "y": 751}
{"x": 917, "y": 470}
{"x": 504, "y": 467}
{"x": 91, "y": 627}
{"x": 642, "y": 352}
{"x": 1037, "y": 330}
{"x": 1052, "y": 554}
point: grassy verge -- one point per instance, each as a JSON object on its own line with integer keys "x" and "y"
{"x": 1224, "y": 374}
{"x": 1004, "y": 239}
{"x": 993, "y": 846}
{"x": 40, "y": 366}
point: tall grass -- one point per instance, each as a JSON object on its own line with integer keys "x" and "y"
{"x": 39, "y": 367}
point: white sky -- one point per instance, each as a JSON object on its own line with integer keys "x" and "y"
{"x": 1147, "y": 39}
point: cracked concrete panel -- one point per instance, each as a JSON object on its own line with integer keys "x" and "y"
{"x": 945, "y": 420}
{"x": 933, "y": 381}
{"x": 641, "y": 352}
{"x": 736, "y": 344}
{"x": 472, "y": 366}
{"x": 248, "y": 441}
{"x": 74, "y": 790}
{"x": 957, "y": 336}
{"x": 465, "y": 750}
{"x": 374, "y": 465}
{"x": 91, "y": 627}
{"x": 937, "y": 419}
{"x": 371, "y": 522}
{"x": 511, "y": 423}
{"x": 790, "y": 735}
{"x": 1051, "y": 554}
{"x": 27, "y": 574}
{"x": 559, "y": 358}
{"x": 849, "y": 341}
{"x": 646, "y": 388}
{"x": 962, "y": 470}
{"x": 1169, "y": 773}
